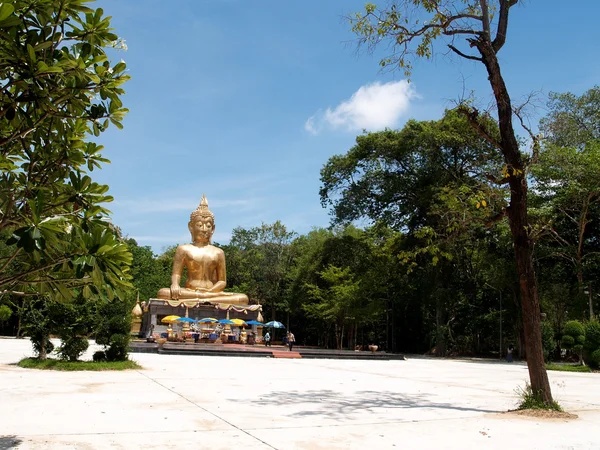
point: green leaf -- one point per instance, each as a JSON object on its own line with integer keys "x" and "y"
{"x": 31, "y": 52}
{"x": 6, "y": 9}
{"x": 12, "y": 21}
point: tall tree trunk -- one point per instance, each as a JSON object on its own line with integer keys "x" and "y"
{"x": 517, "y": 215}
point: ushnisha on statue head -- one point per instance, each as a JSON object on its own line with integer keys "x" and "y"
{"x": 202, "y": 222}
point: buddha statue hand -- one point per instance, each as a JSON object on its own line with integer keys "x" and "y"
{"x": 175, "y": 291}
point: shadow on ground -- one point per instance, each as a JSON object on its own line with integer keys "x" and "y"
{"x": 8, "y": 442}
{"x": 333, "y": 404}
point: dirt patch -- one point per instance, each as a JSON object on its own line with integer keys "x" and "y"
{"x": 540, "y": 414}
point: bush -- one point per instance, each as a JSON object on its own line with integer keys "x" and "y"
{"x": 113, "y": 326}
{"x": 592, "y": 335}
{"x": 37, "y": 325}
{"x": 574, "y": 328}
{"x": 574, "y": 337}
{"x": 118, "y": 349}
{"x": 99, "y": 356}
{"x": 548, "y": 342}
{"x": 595, "y": 358}
{"x": 592, "y": 343}
{"x": 5, "y": 313}
{"x": 72, "y": 348}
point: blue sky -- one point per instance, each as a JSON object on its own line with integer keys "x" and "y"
{"x": 245, "y": 100}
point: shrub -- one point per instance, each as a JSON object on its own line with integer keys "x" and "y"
{"x": 592, "y": 335}
{"x": 99, "y": 356}
{"x": 71, "y": 322}
{"x": 592, "y": 342}
{"x": 113, "y": 326}
{"x": 574, "y": 337}
{"x": 5, "y": 313}
{"x": 72, "y": 348}
{"x": 37, "y": 325}
{"x": 548, "y": 342}
{"x": 118, "y": 349}
{"x": 595, "y": 358}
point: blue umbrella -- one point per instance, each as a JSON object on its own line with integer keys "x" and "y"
{"x": 227, "y": 322}
{"x": 274, "y": 324}
{"x": 254, "y": 322}
{"x": 208, "y": 320}
{"x": 184, "y": 319}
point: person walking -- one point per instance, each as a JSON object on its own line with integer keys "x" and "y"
{"x": 291, "y": 339}
{"x": 267, "y": 339}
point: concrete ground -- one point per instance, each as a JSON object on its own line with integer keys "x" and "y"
{"x": 206, "y": 402}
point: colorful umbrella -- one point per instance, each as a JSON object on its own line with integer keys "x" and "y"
{"x": 274, "y": 324}
{"x": 170, "y": 319}
{"x": 208, "y": 320}
{"x": 238, "y": 322}
{"x": 227, "y": 322}
{"x": 184, "y": 319}
{"x": 255, "y": 322}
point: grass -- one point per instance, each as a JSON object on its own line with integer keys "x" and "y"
{"x": 533, "y": 400}
{"x": 567, "y": 368}
{"x": 57, "y": 364}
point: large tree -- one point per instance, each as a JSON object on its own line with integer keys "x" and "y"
{"x": 475, "y": 30}
{"x": 57, "y": 89}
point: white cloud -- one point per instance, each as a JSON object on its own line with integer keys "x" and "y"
{"x": 373, "y": 107}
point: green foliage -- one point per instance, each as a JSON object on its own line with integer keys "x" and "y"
{"x": 149, "y": 273}
{"x": 574, "y": 337}
{"x": 71, "y": 321}
{"x": 572, "y": 121}
{"x": 261, "y": 257}
{"x": 568, "y": 368}
{"x": 595, "y": 358}
{"x": 59, "y": 88}
{"x": 533, "y": 400}
{"x": 98, "y": 366}
{"x": 592, "y": 342}
{"x": 393, "y": 177}
{"x": 99, "y": 356}
{"x": 5, "y": 313}
{"x": 113, "y": 325}
{"x": 548, "y": 341}
{"x": 37, "y": 324}
{"x": 592, "y": 335}
{"x": 72, "y": 347}
{"x": 576, "y": 330}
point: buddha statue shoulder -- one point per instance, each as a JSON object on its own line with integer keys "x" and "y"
{"x": 205, "y": 264}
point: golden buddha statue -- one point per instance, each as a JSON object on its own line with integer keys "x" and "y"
{"x": 205, "y": 264}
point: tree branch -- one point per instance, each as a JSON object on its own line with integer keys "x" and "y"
{"x": 496, "y": 218}
{"x": 458, "y": 52}
{"x": 500, "y": 38}
{"x": 473, "y": 116}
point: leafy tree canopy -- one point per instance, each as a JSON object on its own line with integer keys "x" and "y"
{"x": 57, "y": 89}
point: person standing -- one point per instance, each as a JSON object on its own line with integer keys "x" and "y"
{"x": 291, "y": 339}
{"x": 509, "y": 353}
{"x": 267, "y": 339}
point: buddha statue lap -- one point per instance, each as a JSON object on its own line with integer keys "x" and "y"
{"x": 205, "y": 264}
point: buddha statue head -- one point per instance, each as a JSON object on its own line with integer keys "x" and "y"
{"x": 202, "y": 223}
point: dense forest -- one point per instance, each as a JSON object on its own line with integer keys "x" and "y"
{"x": 433, "y": 269}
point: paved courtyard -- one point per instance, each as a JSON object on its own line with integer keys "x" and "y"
{"x": 206, "y": 402}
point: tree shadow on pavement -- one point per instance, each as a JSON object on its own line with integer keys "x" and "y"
{"x": 8, "y": 442}
{"x": 333, "y": 404}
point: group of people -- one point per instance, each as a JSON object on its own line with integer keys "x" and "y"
{"x": 290, "y": 340}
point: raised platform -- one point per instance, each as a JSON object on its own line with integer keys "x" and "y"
{"x": 257, "y": 351}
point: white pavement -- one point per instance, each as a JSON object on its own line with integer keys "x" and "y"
{"x": 215, "y": 402}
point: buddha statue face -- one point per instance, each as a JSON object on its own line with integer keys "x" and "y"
{"x": 202, "y": 222}
{"x": 202, "y": 228}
